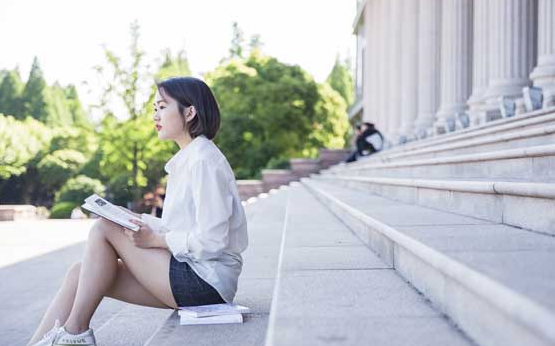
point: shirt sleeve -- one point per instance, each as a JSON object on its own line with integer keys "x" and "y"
{"x": 155, "y": 223}
{"x": 213, "y": 204}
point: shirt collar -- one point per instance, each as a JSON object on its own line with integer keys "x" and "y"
{"x": 183, "y": 153}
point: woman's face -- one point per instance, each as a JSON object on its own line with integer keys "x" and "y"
{"x": 166, "y": 117}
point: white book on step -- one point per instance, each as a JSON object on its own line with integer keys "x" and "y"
{"x": 212, "y": 310}
{"x": 222, "y": 319}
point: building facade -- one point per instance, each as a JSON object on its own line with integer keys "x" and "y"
{"x": 426, "y": 67}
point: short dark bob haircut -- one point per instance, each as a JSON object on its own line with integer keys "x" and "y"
{"x": 190, "y": 91}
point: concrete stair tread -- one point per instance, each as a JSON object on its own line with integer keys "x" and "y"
{"x": 332, "y": 289}
{"x": 519, "y": 187}
{"x": 132, "y": 325}
{"x": 509, "y": 255}
{"x": 255, "y": 288}
{"x": 519, "y": 204}
{"x": 534, "y": 163}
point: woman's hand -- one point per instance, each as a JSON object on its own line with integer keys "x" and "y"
{"x": 145, "y": 237}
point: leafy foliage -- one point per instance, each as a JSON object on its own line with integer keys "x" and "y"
{"x": 62, "y": 210}
{"x": 20, "y": 141}
{"x": 341, "y": 80}
{"x": 78, "y": 188}
{"x": 271, "y": 110}
{"x": 50, "y": 152}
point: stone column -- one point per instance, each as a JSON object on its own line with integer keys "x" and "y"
{"x": 456, "y": 60}
{"x": 480, "y": 67}
{"x": 409, "y": 69}
{"x": 384, "y": 63}
{"x": 394, "y": 99}
{"x": 370, "y": 80}
{"x": 511, "y": 50}
{"x": 429, "y": 37}
{"x": 544, "y": 73}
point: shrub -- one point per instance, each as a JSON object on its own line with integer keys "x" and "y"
{"x": 278, "y": 163}
{"x": 62, "y": 210}
{"x": 76, "y": 189}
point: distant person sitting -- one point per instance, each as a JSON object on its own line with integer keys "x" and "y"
{"x": 353, "y": 156}
{"x": 368, "y": 141}
{"x": 158, "y": 201}
{"x": 371, "y": 140}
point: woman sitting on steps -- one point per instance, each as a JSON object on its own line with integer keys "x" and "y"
{"x": 189, "y": 256}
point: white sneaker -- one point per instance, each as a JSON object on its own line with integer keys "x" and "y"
{"x": 48, "y": 338}
{"x": 63, "y": 338}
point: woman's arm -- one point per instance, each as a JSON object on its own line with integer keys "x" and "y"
{"x": 213, "y": 204}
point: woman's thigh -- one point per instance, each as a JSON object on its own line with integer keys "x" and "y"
{"x": 128, "y": 289}
{"x": 150, "y": 267}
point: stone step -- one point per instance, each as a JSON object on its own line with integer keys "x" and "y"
{"x": 533, "y": 164}
{"x": 494, "y": 281}
{"x": 331, "y": 289}
{"x": 517, "y": 135}
{"x": 131, "y": 326}
{"x": 539, "y": 118}
{"x": 521, "y": 204}
{"x": 256, "y": 283}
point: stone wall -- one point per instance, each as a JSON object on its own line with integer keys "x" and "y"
{"x": 300, "y": 167}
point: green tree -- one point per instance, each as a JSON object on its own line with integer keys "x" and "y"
{"x": 173, "y": 66}
{"x": 255, "y": 42}
{"x": 78, "y": 188}
{"x": 267, "y": 109}
{"x": 11, "y": 87}
{"x": 58, "y": 110}
{"x": 332, "y": 124}
{"x": 78, "y": 115}
{"x": 20, "y": 141}
{"x": 273, "y": 111}
{"x": 34, "y": 94}
{"x": 57, "y": 167}
{"x": 237, "y": 41}
{"x": 132, "y": 157}
{"x": 22, "y": 144}
{"x": 341, "y": 80}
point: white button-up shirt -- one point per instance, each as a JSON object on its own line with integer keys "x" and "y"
{"x": 203, "y": 219}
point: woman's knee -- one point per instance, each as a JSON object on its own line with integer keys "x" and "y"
{"x": 100, "y": 228}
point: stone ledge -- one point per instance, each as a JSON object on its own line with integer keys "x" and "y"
{"x": 522, "y": 189}
{"x": 17, "y": 212}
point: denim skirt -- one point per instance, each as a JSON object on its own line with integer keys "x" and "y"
{"x": 188, "y": 288}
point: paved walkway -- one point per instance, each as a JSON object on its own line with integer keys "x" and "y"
{"x": 26, "y": 239}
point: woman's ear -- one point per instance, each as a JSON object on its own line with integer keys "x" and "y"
{"x": 191, "y": 113}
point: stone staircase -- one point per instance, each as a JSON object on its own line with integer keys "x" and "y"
{"x": 444, "y": 241}
{"x": 467, "y": 219}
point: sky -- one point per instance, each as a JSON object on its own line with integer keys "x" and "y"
{"x": 67, "y": 36}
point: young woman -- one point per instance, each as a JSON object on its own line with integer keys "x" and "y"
{"x": 189, "y": 256}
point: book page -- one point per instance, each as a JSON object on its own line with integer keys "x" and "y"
{"x": 102, "y": 207}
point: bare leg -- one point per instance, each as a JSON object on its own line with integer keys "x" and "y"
{"x": 98, "y": 272}
{"x": 61, "y": 304}
{"x": 144, "y": 282}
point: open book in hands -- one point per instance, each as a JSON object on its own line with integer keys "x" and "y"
{"x": 101, "y": 207}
